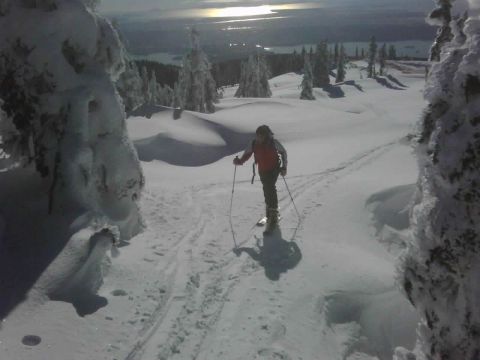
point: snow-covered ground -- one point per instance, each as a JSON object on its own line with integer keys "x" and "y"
{"x": 321, "y": 288}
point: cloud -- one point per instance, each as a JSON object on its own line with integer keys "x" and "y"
{"x": 175, "y": 7}
{"x": 474, "y": 4}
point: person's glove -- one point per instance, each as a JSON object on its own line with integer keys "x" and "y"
{"x": 283, "y": 171}
{"x": 237, "y": 161}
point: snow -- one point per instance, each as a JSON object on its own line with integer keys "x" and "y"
{"x": 177, "y": 291}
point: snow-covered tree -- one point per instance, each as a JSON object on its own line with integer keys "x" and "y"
{"x": 441, "y": 17}
{"x": 392, "y": 52}
{"x": 254, "y": 78}
{"x": 307, "y": 82}
{"x": 321, "y": 66}
{"x": 130, "y": 86}
{"x": 152, "y": 89}
{"x": 57, "y": 87}
{"x": 382, "y": 57}
{"x": 9, "y": 140}
{"x": 441, "y": 268}
{"x": 146, "y": 90}
{"x": 92, "y": 4}
{"x": 458, "y": 26}
{"x": 336, "y": 54}
{"x": 243, "y": 80}
{"x": 372, "y": 54}
{"x": 341, "y": 66}
{"x": 196, "y": 88}
{"x": 264, "y": 75}
{"x": 164, "y": 95}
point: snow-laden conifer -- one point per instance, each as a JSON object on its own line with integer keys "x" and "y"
{"x": 372, "y": 54}
{"x": 10, "y": 150}
{"x": 307, "y": 82}
{"x": 441, "y": 268}
{"x": 441, "y": 17}
{"x": 130, "y": 87}
{"x": 243, "y": 80}
{"x": 146, "y": 90}
{"x": 341, "y": 65}
{"x": 392, "y": 52}
{"x": 254, "y": 78}
{"x": 164, "y": 95}
{"x": 321, "y": 66}
{"x": 153, "y": 88}
{"x": 264, "y": 75}
{"x": 57, "y": 87}
{"x": 196, "y": 88}
{"x": 336, "y": 54}
{"x": 382, "y": 57}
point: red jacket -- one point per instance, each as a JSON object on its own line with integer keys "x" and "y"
{"x": 267, "y": 155}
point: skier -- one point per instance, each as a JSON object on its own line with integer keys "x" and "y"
{"x": 271, "y": 158}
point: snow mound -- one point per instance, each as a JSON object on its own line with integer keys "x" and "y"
{"x": 229, "y": 104}
{"x": 409, "y": 67}
{"x": 189, "y": 129}
{"x": 390, "y": 210}
{"x": 196, "y": 141}
{"x": 375, "y": 323}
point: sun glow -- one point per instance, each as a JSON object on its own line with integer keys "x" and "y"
{"x": 241, "y": 11}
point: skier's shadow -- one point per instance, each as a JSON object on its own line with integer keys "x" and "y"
{"x": 274, "y": 254}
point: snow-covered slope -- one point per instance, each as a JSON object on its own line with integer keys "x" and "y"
{"x": 321, "y": 288}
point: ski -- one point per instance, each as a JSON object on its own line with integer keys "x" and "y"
{"x": 263, "y": 220}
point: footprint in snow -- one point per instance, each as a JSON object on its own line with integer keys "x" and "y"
{"x": 31, "y": 340}
{"x": 119, "y": 292}
{"x": 272, "y": 354}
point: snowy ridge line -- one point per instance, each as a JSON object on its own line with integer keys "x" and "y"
{"x": 260, "y": 102}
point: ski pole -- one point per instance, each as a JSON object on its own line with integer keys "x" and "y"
{"x": 291, "y": 197}
{"x": 231, "y": 206}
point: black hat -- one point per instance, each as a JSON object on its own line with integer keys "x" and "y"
{"x": 264, "y": 130}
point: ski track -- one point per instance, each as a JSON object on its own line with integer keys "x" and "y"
{"x": 201, "y": 275}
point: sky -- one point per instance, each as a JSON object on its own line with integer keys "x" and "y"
{"x": 199, "y": 9}
{"x": 152, "y": 26}
{"x": 126, "y": 6}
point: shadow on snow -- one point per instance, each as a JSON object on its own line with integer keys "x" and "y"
{"x": 274, "y": 254}
{"x": 176, "y": 152}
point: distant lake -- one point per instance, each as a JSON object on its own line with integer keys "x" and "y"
{"x": 411, "y": 48}
{"x": 161, "y": 57}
